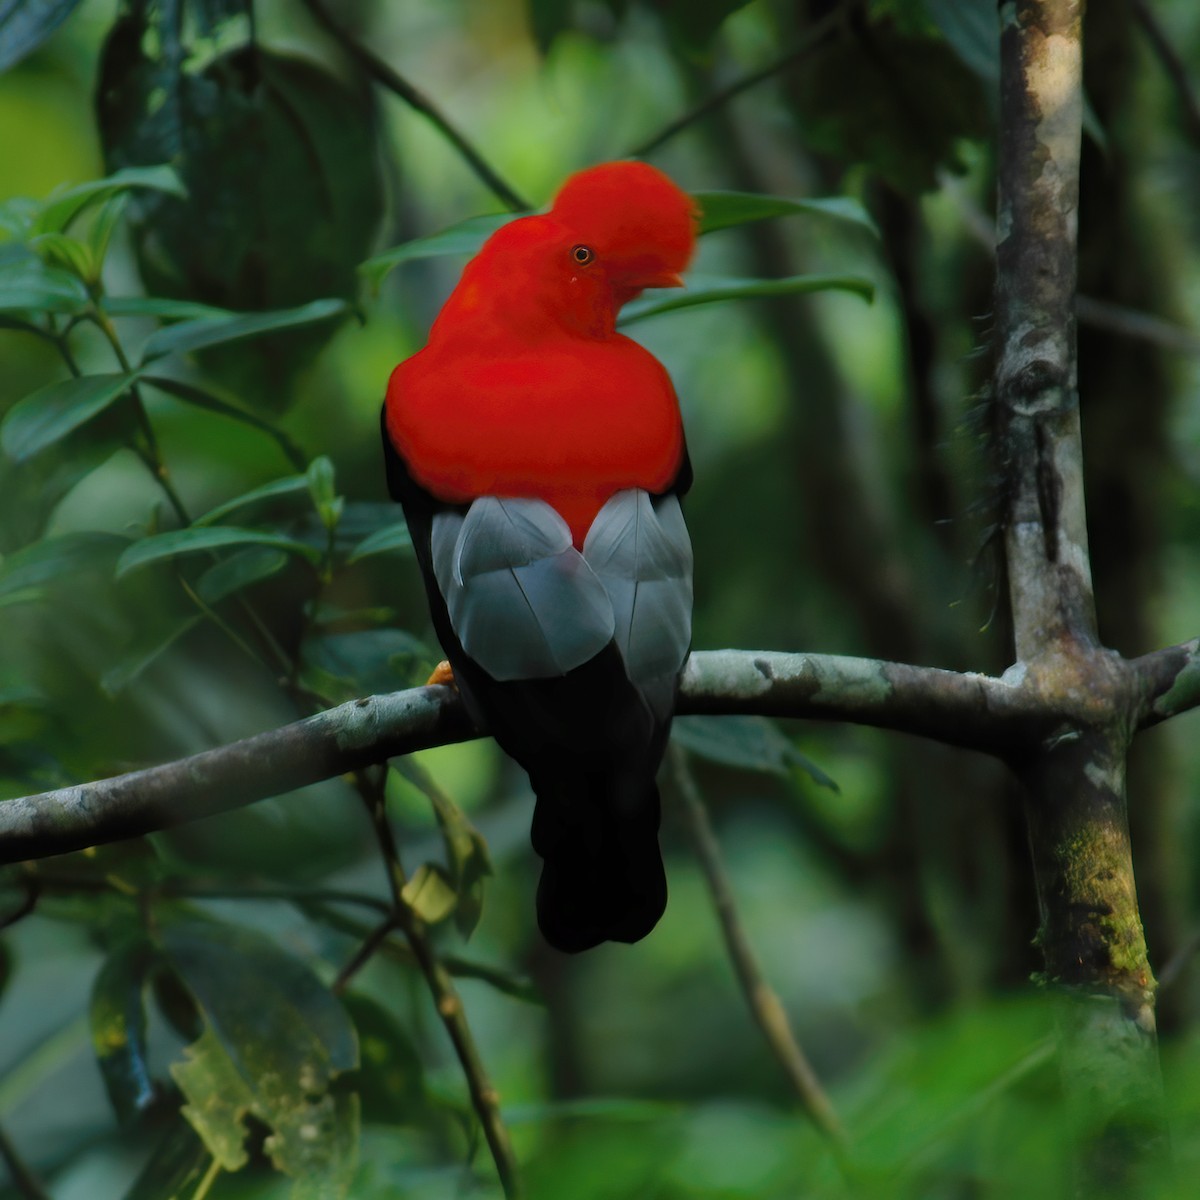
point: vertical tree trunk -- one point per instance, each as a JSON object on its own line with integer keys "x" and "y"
{"x": 1091, "y": 934}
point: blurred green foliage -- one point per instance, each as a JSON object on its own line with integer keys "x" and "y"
{"x": 198, "y": 545}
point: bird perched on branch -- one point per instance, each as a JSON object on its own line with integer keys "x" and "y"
{"x": 539, "y": 456}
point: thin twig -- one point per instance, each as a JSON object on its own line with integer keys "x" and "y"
{"x": 813, "y": 38}
{"x": 484, "y": 1098}
{"x": 1175, "y": 67}
{"x": 363, "y": 955}
{"x": 415, "y": 98}
{"x": 23, "y": 1178}
{"x": 761, "y": 998}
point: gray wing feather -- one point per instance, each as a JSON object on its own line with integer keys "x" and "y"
{"x": 639, "y": 547}
{"x": 521, "y": 599}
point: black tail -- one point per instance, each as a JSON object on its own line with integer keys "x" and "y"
{"x": 603, "y": 877}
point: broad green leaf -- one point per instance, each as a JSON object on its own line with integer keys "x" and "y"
{"x": 390, "y": 1080}
{"x": 49, "y": 414}
{"x": 430, "y": 893}
{"x": 161, "y": 546}
{"x": 118, "y": 1021}
{"x": 714, "y": 291}
{"x": 162, "y": 306}
{"x": 60, "y": 211}
{"x": 275, "y": 1039}
{"x": 217, "y": 331}
{"x": 31, "y": 286}
{"x": 366, "y": 660}
{"x": 464, "y": 238}
{"x": 68, "y": 253}
{"x": 749, "y": 743}
{"x": 218, "y": 1098}
{"x": 26, "y": 24}
{"x": 972, "y": 27}
{"x": 383, "y": 541}
{"x": 292, "y": 485}
{"x": 723, "y": 210}
{"x": 53, "y": 558}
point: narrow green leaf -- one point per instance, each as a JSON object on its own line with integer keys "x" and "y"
{"x": 118, "y": 1021}
{"x": 292, "y": 485}
{"x": 26, "y": 25}
{"x": 713, "y": 291}
{"x": 723, "y": 210}
{"x": 464, "y": 238}
{"x": 61, "y": 250}
{"x": 430, "y": 893}
{"x": 238, "y": 572}
{"x": 204, "y": 398}
{"x": 200, "y": 334}
{"x": 322, "y": 490}
{"x": 104, "y": 226}
{"x": 175, "y": 1168}
{"x": 68, "y": 554}
{"x": 162, "y": 306}
{"x": 383, "y": 541}
{"x": 748, "y": 743}
{"x": 148, "y": 647}
{"x": 60, "y": 211}
{"x": 161, "y": 546}
{"x": 49, "y": 414}
{"x": 31, "y": 286}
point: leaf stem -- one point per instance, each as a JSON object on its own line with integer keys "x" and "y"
{"x": 449, "y": 1005}
{"x": 382, "y": 73}
{"x": 761, "y": 998}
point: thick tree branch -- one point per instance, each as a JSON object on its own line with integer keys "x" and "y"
{"x": 964, "y": 710}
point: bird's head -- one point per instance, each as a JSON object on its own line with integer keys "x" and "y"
{"x": 612, "y": 231}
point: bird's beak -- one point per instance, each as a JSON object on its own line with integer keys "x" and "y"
{"x": 667, "y": 279}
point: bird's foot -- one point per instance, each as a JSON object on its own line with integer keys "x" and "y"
{"x": 443, "y": 676}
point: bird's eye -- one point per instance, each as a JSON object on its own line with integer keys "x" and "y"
{"x": 582, "y": 254}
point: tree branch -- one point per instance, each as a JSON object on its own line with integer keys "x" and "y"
{"x": 1168, "y": 682}
{"x": 968, "y": 710}
{"x": 416, "y": 99}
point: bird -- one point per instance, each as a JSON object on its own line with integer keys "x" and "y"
{"x": 539, "y": 456}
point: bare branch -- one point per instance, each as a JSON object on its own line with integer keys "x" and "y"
{"x": 761, "y": 998}
{"x": 969, "y": 710}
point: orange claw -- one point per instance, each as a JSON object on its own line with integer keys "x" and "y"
{"x": 443, "y": 676}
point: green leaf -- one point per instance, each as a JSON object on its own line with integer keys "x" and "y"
{"x": 972, "y": 27}
{"x": 161, "y": 546}
{"x": 748, "y": 743}
{"x": 275, "y": 1039}
{"x": 68, "y": 554}
{"x": 175, "y": 1168}
{"x": 464, "y": 238}
{"x": 61, "y": 250}
{"x": 217, "y": 331}
{"x": 204, "y": 398}
{"x": 118, "y": 1021}
{"x": 390, "y": 1081}
{"x": 430, "y": 893}
{"x": 466, "y": 851}
{"x": 714, "y": 291}
{"x": 161, "y": 306}
{"x": 60, "y": 211}
{"x": 104, "y": 226}
{"x": 322, "y": 490}
{"x": 292, "y": 485}
{"x": 239, "y": 571}
{"x": 383, "y": 541}
{"x": 723, "y": 210}
{"x": 26, "y": 24}
{"x": 49, "y": 414}
{"x": 149, "y": 645}
{"x": 31, "y": 286}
